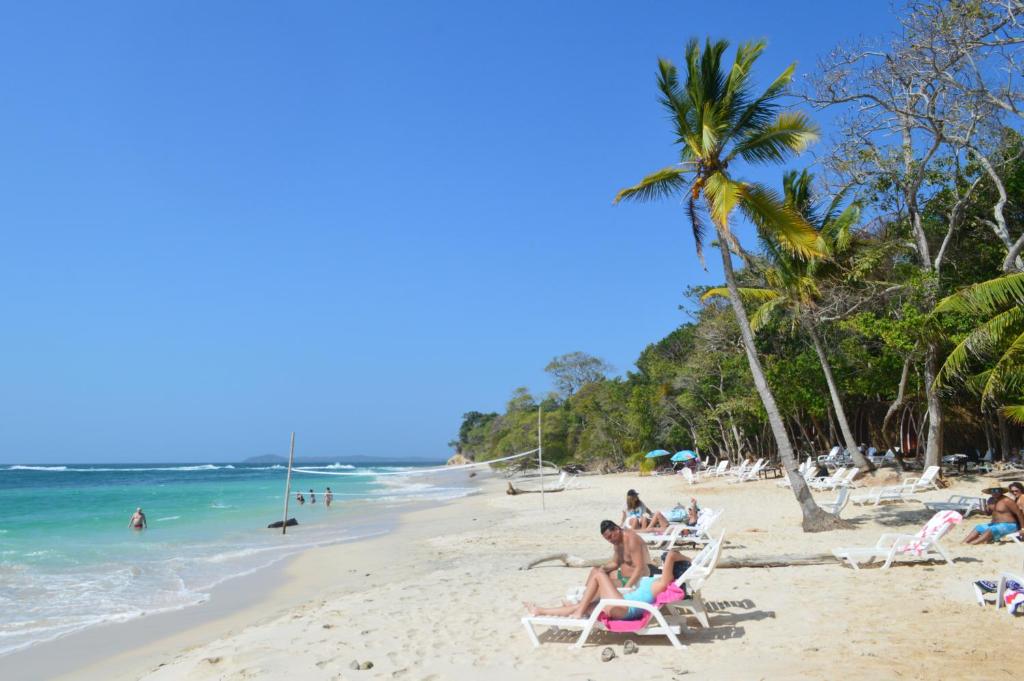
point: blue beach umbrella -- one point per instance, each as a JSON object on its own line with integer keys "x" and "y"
{"x": 684, "y": 455}
{"x": 655, "y": 453}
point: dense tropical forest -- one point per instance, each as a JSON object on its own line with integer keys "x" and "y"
{"x": 883, "y": 300}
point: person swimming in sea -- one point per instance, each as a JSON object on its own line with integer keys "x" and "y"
{"x": 138, "y": 520}
{"x": 299, "y": 498}
{"x": 328, "y": 496}
{"x": 312, "y": 496}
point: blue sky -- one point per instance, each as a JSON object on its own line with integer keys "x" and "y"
{"x": 225, "y": 221}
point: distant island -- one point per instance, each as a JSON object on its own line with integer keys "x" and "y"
{"x": 272, "y": 459}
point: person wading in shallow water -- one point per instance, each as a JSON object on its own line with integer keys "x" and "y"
{"x": 328, "y": 496}
{"x": 138, "y": 520}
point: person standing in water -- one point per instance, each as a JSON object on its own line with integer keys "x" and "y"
{"x": 138, "y": 520}
{"x": 312, "y": 496}
{"x": 328, "y": 496}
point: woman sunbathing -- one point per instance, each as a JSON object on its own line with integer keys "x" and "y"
{"x": 601, "y": 585}
{"x": 678, "y": 514}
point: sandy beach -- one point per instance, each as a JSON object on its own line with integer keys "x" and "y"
{"x": 440, "y": 598}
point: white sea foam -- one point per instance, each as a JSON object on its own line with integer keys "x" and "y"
{"x": 37, "y": 468}
{"x": 66, "y": 469}
{"x": 170, "y": 517}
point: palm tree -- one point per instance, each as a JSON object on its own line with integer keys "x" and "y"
{"x": 792, "y": 283}
{"x": 996, "y": 343}
{"x": 718, "y": 120}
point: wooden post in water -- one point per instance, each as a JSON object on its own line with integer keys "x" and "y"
{"x": 288, "y": 484}
{"x": 540, "y": 453}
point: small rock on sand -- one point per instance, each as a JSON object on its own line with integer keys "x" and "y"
{"x": 607, "y": 655}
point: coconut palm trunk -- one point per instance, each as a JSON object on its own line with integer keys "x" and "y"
{"x": 933, "y": 451}
{"x": 814, "y": 518}
{"x": 837, "y": 403}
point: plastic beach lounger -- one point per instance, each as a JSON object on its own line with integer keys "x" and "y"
{"x": 890, "y": 547}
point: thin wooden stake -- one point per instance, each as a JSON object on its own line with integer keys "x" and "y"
{"x": 288, "y": 485}
{"x": 540, "y": 453}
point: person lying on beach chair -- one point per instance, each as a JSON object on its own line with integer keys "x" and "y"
{"x": 601, "y": 585}
{"x": 638, "y": 516}
{"x": 1006, "y": 520}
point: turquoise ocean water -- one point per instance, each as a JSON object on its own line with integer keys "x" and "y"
{"x": 69, "y": 561}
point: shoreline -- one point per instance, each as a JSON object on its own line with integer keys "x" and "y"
{"x": 440, "y": 598}
{"x": 137, "y": 645}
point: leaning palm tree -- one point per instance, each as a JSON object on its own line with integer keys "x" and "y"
{"x": 719, "y": 120}
{"x": 995, "y": 345}
{"x": 792, "y": 283}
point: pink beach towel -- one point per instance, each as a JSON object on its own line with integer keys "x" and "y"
{"x": 940, "y": 523}
{"x": 670, "y": 595}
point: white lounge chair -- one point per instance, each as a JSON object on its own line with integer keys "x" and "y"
{"x": 892, "y": 546}
{"x": 719, "y": 470}
{"x": 962, "y": 504}
{"x": 901, "y": 492}
{"x": 836, "y": 507}
{"x": 689, "y": 476}
{"x": 751, "y": 473}
{"x": 927, "y": 481}
{"x": 698, "y": 533}
{"x": 655, "y": 623}
{"x": 828, "y": 483}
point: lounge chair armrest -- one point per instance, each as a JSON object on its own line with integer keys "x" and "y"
{"x": 891, "y": 538}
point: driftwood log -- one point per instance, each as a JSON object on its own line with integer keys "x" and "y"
{"x": 785, "y": 560}
{"x": 515, "y": 491}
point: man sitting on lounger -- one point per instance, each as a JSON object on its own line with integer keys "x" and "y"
{"x": 1006, "y": 519}
{"x": 644, "y": 577}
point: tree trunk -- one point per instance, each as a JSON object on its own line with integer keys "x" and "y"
{"x": 900, "y": 392}
{"x": 844, "y": 426}
{"x": 933, "y": 453}
{"x": 814, "y": 518}
{"x": 1004, "y": 436}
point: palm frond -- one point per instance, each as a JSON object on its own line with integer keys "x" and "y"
{"x": 747, "y": 294}
{"x": 660, "y": 184}
{"x": 1008, "y": 373}
{"x": 770, "y": 215}
{"x": 1014, "y": 412}
{"x": 790, "y": 133}
{"x": 697, "y": 226}
{"x": 986, "y": 297}
{"x": 981, "y": 343}
{"x": 764, "y": 314}
{"x": 723, "y": 196}
{"x": 760, "y": 111}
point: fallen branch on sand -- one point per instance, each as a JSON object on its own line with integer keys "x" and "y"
{"x": 786, "y": 560}
{"x": 567, "y": 560}
{"x": 515, "y": 490}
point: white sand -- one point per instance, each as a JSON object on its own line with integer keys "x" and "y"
{"x": 443, "y": 600}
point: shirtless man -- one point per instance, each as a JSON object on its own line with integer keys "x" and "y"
{"x": 1007, "y": 518}
{"x": 1017, "y": 492}
{"x": 631, "y": 559}
{"x": 138, "y": 520}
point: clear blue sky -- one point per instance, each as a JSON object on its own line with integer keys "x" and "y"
{"x": 225, "y": 221}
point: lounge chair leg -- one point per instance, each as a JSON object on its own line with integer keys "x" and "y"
{"x": 531, "y": 633}
{"x": 700, "y": 612}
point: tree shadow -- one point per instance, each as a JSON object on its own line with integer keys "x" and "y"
{"x": 911, "y": 562}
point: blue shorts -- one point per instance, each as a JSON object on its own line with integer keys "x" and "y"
{"x": 641, "y": 593}
{"x": 998, "y": 530}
